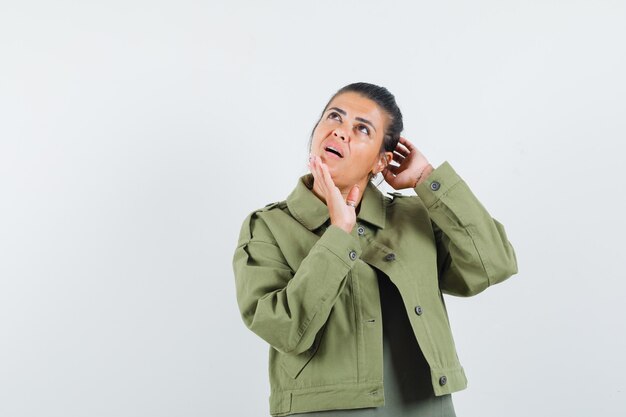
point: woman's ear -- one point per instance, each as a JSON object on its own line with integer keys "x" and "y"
{"x": 383, "y": 161}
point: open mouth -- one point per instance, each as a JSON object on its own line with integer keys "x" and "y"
{"x": 334, "y": 151}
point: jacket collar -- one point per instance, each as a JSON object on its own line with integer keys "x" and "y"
{"x": 312, "y": 212}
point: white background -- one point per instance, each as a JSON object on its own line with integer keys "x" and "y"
{"x": 135, "y": 136}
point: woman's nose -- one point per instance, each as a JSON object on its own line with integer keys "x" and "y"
{"x": 340, "y": 134}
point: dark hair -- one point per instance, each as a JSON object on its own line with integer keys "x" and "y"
{"x": 386, "y": 100}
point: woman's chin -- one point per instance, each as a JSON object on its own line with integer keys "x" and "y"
{"x": 340, "y": 181}
{"x": 335, "y": 172}
{"x": 337, "y": 176}
{"x": 330, "y": 159}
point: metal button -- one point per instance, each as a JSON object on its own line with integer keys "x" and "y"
{"x": 443, "y": 380}
{"x": 418, "y": 310}
{"x": 352, "y": 255}
{"x": 390, "y": 257}
{"x": 435, "y": 185}
{"x": 360, "y": 230}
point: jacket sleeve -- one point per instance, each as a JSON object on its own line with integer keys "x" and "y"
{"x": 473, "y": 251}
{"x": 287, "y": 307}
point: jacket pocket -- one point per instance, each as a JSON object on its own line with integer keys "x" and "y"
{"x": 294, "y": 364}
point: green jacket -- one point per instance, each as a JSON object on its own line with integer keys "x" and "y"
{"x": 305, "y": 287}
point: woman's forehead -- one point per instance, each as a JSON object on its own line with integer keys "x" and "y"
{"x": 357, "y": 105}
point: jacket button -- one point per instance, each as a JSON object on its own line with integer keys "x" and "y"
{"x": 418, "y": 310}
{"x": 390, "y": 257}
{"x": 443, "y": 380}
{"x": 360, "y": 230}
{"x": 352, "y": 255}
{"x": 435, "y": 185}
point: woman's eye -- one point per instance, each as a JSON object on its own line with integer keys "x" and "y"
{"x": 364, "y": 129}
{"x": 334, "y": 115}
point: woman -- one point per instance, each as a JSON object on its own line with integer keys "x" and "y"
{"x": 345, "y": 284}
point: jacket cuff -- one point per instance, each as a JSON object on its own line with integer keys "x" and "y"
{"x": 437, "y": 184}
{"x": 341, "y": 243}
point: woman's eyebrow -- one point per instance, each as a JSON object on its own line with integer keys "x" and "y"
{"x": 360, "y": 119}
{"x": 338, "y": 110}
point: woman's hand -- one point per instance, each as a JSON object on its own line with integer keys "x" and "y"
{"x": 341, "y": 214}
{"x": 413, "y": 166}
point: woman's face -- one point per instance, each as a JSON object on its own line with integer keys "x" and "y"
{"x": 348, "y": 139}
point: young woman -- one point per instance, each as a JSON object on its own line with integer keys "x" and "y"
{"x": 345, "y": 284}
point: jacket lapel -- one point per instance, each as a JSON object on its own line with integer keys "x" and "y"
{"x": 312, "y": 212}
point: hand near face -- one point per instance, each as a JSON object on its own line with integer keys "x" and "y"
{"x": 412, "y": 164}
{"x": 341, "y": 214}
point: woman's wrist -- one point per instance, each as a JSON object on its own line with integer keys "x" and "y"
{"x": 423, "y": 175}
{"x": 346, "y": 227}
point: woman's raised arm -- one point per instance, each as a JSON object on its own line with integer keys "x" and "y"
{"x": 473, "y": 251}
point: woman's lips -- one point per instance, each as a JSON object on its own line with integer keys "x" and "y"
{"x": 331, "y": 155}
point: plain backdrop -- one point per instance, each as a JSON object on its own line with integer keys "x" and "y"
{"x": 135, "y": 136}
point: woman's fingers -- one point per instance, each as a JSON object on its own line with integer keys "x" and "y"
{"x": 353, "y": 195}
{"x": 393, "y": 169}
{"x": 326, "y": 173}
{"x": 341, "y": 214}
{"x": 318, "y": 175}
{"x": 407, "y": 143}
{"x": 322, "y": 176}
{"x": 411, "y": 162}
{"x": 326, "y": 179}
{"x": 398, "y": 158}
{"x": 404, "y": 149}
{"x": 389, "y": 174}
{"x": 333, "y": 195}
